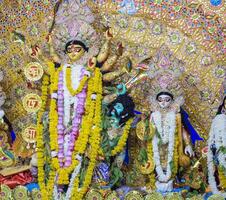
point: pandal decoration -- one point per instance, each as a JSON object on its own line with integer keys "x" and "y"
{"x": 187, "y": 29}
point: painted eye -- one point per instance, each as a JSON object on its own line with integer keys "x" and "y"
{"x": 78, "y": 49}
{"x": 168, "y": 100}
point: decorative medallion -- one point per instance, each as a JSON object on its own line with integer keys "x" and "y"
{"x": 139, "y": 25}
{"x": 191, "y": 80}
{"x": 93, "y": 195}
{"x": 36, "y": 194}
{"x": 154, "y": 196}
{"x": 216, "y": 197}
{"x": 122, "y": 22}
{"x": 33, "y": 71}
{"x": 32, "y": 102}
{"x": 191, "y": 48}
{"x": 134, "y": 195}
{"x": 220, "y": 71}
{"x": 20, "y": 192}
{"x": 205, "y": 95}
{"x": 5, "y": 192}
{"x": 29, "y": 134}
{"x": 112, "y": 196}
{"x": 157, "y": 29}
{"x": 174, "y": 196}
{"x": 175, "y": 37}
{"x": 206, "y": 60}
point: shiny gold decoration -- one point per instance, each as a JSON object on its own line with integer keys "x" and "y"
{"x": 134, "y": 195}
{"x": 20, "y": 192}
{"x": 32, "y": 102}
{"x": 154, "y": 196}
{"x": 184, "y": 160}
{"x": 29, "y": 134}
{"x": 33, "y": 71}
{"x": 5, "y": 192}
{"x": 93, "y": 194}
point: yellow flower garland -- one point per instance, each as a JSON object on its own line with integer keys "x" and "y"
{"x": 175, "y": 154}
{"x": 150, "y": 159}
{"x": 91, "y": 121}
{"x": 40, "y": 143}
{"x": 122, "y": 141}
{"x": 94, "y": 139}
{"x": 69, "y": 84}
{"x": 82, "y": 140}
{"x": 222, "y": 178}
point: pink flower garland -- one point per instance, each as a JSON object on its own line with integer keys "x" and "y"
{"x": 65, "y": 160}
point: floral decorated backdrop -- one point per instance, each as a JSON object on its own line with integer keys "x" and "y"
{"x": 184, "y": 37}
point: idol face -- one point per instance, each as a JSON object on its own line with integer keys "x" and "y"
{"x": 164, "y": 100}
{"x": 75, "y": 52}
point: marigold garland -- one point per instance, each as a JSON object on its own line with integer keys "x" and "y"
{"x": 90, "y": 133}
{"x": 93, "y": 140}
{"x": 69, "y": 83}
{"x": 150, "y": 159}
{"x": 175, "y": 155}
{"x": 39, "y": 138}
{"x": 222, "y": 178}
{"x": 122, "y": 141}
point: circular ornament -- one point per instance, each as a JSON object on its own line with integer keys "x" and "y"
{"x": 134, "y": 195}
{"x": 5, "y": 192}
{"x": 20, "y": 192}
{"x": 112, "y": 196}
{"x": 32, "y": 102}
{"x": 93, "y": 195}
{"x": 33, "y": 71}
{"x": 154, "y": 196}
{"x": 148, "y": 167}
{"x": 36, "y": 194}
{"x": 216, "y": 197}
{"x": 174, "y": 196}
{"x": 29, "y": 134}
{"x": 220, "y": 71}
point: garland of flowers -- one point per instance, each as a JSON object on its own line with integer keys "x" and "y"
{"x": 150, "y": 158}
{"x": 63, "y": 173}
{"x": 175, "y": 154}
{"x": 69, "y": 84}
{"x": 222, "y": 178}
{"x": 122, "y": 141}
{"x": 170, "y": 122}
{"x": 216, "y": 136}
{"x": 94, "y": 138}
{"x": 40, "y": 143}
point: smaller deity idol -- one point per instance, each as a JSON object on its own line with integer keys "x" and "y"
{"x": 117, "y": 119}
{"x": 216, "y": 156}
{"x": 166, "y": 143}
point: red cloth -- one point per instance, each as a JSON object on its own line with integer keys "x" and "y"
{"x": 21, "y": 178}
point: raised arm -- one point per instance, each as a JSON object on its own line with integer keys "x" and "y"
{"x": 53, "y": 55}
{"x": 104, "y": 51}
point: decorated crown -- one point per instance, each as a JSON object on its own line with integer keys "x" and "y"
{"x": 73, "y": 22}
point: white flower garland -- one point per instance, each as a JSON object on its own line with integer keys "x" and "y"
{"x": 217, "y": 136}
{"x": 76, "y": 71}
{"x": 167, "y": 132}
{"x": 164, "y": 125}
{"x": 68, "y": 99}
{"x": 73, "y": 176}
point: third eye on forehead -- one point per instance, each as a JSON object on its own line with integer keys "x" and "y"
{"x": 74, "y": 48}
